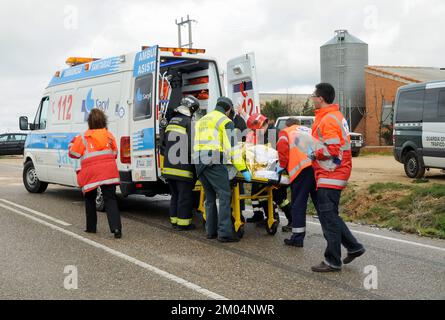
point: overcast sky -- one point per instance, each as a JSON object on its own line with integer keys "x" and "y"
{"x": 36, "y": 37}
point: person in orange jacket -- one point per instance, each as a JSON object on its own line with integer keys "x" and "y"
{"x": 261, "y": 132}
{"x": 97, "y": 151}
{"x": 294, "y": 160}
{"x": 332, "y": 131}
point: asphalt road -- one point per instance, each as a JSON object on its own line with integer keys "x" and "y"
{"x": 42, "y": 234}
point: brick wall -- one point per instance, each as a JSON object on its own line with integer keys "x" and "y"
{"x": 378, "y": 90}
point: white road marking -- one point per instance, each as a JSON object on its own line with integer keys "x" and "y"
{"x": 384, "y": 237}
{"x": 123, "y": 256}
{"x": 376, "y": 236}
{"x": 37, "y": 213}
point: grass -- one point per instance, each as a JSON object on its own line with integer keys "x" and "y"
{"x": 412, "y": 208}
{"x": 376, "y": 153}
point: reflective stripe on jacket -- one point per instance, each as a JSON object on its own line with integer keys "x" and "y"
{"x": 177, "y": 155}
{"x": 292, "y": 157}
{"x": 211, "y": 137}
{"x": 331, "y": 129}
{"x": 97, "y": 151}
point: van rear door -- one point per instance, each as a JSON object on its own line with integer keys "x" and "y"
{"x": 242, "y": 83}
{"x": 143, "y": 121}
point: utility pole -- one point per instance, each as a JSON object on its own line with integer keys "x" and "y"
{"x": 187, "y": 22}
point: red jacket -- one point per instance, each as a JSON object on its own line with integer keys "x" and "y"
{"x": 331, "y": 129}
{"x": 97, "y": 151}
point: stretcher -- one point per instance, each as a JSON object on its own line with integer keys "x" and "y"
{"x": 265, "y": 194}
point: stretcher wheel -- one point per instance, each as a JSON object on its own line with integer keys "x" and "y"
{"x": 272, "y": 231}
{"x": 240, "y": 233}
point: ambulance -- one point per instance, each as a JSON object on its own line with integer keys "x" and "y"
{"x": 137, "y": 91}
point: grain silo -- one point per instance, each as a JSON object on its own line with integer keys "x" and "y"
{"x": 343, "y": 61}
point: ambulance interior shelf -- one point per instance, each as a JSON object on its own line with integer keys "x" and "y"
{"x": 185, "y": 76}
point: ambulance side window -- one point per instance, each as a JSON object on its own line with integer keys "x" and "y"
{"x": 41, "y": 115}
{"x": 143, "y": 95}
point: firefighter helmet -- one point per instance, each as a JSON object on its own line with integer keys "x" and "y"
{"x": 256, "y": 121}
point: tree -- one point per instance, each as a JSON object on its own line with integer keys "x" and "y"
{"x": 276, "y": 109}
{"x": 308, "y": 108}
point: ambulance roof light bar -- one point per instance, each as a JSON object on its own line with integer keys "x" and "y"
{"x": 178, "y": 50}
{"x": 74, "y": 61}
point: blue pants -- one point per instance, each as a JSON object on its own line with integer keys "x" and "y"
{"x": 303, "y": 186}
{"x": 335, "y": 231}
{"x": 215, "y": 181}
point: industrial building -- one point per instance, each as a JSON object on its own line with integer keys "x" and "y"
{"x": 343, "y": 60}
{"x": 381, "y": 83}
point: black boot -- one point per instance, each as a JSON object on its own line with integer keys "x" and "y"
{"x": 117, "y": 234}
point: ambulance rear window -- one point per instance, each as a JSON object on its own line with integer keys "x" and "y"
{"x": 143, "y": 97}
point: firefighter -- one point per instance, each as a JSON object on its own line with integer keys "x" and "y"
{"x": 332, "y": 130}
{"x": 261, "y": 133}
{"x": 178, "y": 168}
{"x": 294, "y": 160}
{"x": 97, "y": 151}
{"x": 214, "y": 146}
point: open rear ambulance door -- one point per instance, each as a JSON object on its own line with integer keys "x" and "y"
{"x": 143, "y": 121}
{"x": 242, "y": 84}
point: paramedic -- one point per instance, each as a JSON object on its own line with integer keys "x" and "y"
{"x": 178, "y": 167}
{"x": 294, "y": 160}
{"x": 97, "y": 151}
{"x": 261, "y": 133}
{"x": 331, "y": 129}
{"x": 214, "y": 146}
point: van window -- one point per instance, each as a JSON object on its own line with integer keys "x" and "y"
{"x": 143, "y": 97}
{"x": 441, "y": 106}
{"x": 410, "y": 106}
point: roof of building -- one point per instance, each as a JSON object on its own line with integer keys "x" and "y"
{"x": 343, "y": 36}
{"x": 295, "y": 99}
{"x": 408, "y": 74}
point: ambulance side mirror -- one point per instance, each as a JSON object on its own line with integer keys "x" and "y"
{"x": 24, "y": 125}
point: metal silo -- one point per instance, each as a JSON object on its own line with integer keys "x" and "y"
{"x": 343, "y": 61}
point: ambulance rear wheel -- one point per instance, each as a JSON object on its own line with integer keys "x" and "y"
{"x": 272, "y": 231}
{"x": 100, "y": 202}
{"x": 31, "y": 181}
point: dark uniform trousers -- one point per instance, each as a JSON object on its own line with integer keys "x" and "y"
{"x": 260, "y": 207}
{"x": 113, "y": 215}
{"x": 181, "y": 204}
{"x": 303, "y": 186}
{"x": 215, "y": 181}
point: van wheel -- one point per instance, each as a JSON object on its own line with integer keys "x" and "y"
{"x": 413, "y": 168}
{"x": 356, "y": 153}
{"x": 100, "y": 202}
{"x": 31, "y": 181}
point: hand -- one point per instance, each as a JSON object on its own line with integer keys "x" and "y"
{"x": 337, "y": 161}
{"x": 311, "y": 154}
{"x": 247, "y": 176}
{"x": 279, "y": 170}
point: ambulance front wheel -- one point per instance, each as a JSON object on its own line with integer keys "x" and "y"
{"x": 31, "y": 181}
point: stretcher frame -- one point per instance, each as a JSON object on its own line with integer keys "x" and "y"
{"x": 265, "y": 193}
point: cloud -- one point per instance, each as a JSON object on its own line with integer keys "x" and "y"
{"x": 37, "y": 36}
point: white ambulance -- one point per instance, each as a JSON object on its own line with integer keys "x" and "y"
{"x": 136, "y": 91}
